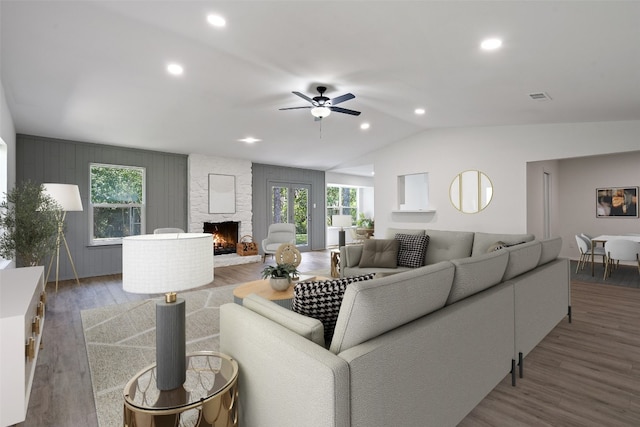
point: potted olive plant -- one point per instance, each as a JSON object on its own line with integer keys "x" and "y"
{"x": 29, "y": 220}
{"x": 279, "y": 275}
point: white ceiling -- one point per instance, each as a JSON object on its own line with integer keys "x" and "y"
{"x": 94, "y": 71}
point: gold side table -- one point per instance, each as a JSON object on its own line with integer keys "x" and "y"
{"x": 208, "y": 398}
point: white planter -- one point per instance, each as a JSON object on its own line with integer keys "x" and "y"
{"x": 280, "y": 283}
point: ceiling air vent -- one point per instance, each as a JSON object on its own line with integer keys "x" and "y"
{"x": 540, "y": 96}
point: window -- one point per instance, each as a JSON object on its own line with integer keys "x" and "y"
{"x": 342, "y": 201}
{"x": 117, "y": 203}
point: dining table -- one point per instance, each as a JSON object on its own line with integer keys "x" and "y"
{"x": 603, "y": 239}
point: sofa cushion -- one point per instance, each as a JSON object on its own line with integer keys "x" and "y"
{"x": 380, "y": 253}
{"x": 391, "y": 232}
{"x": 550, "y": 249}
{"x": 475, "y": 274}
{"x": 412, "y": 249}
{"x": 482, "y": 241}
{"x": 374, "y": 307}
{"x": 448, "y": 245}
{"x": 522, "y": 258}
{"x": 308, "y": 327}
{"x": 321, "y": 300}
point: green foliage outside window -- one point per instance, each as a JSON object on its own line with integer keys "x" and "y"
{"x": 116, "y": 185}
{"x": 342, "y": 201}
{"x": 280, "y": 205}
{"x": 117, "y": 198}
{"x": 300, "y": 211}
{"x": 280, "y": 209}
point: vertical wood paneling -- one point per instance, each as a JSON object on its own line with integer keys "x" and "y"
{"x": 42, "y": 160}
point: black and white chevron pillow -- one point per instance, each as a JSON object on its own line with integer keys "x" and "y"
{"x": 322, "y": 300}
{"x": 412, "y": 249}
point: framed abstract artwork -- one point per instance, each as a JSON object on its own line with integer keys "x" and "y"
{"x": 616, "y": 202}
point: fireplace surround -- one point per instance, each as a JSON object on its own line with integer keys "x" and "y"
{"x": 225, "y": 236}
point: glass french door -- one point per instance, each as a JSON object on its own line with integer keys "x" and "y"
{"x": 290, "y": 204}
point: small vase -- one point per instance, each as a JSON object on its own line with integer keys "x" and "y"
{"x": 280, "y": 283}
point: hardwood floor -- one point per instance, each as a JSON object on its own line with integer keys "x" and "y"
{"x": 62, "y": 394}
{"x": 585, "y": 373}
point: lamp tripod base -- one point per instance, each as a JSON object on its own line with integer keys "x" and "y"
{"x": 171, "y": 365}
{"x": 59, "y": 240}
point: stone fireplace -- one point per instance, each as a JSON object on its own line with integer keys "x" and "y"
{"x": 225, "y": 236}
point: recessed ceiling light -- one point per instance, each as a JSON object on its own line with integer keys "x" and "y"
{"x": 419, "y": 111}
{"x": 175, "y": 69}
{"x": 216, "y": 20}
{"x": 365, "y": 126}
{"x": 491, "y": 44}
{"x": 249, "y": 140}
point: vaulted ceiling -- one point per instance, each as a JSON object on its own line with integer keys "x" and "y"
{"x": 95, "y": 71}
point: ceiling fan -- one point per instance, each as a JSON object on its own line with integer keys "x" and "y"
{"x": 321, "y": 106}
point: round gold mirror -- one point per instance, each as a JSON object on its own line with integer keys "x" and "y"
{"x": 471, "y": 191}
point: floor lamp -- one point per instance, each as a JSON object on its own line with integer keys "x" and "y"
{"x": 68, "y": 197}
{"x": 167, "y": 263}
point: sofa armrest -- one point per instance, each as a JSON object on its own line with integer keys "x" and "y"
{"x": 350, "y": 256}
{"x": 308, "y": 327}
{"x": 542, "y": 299}
{"x": 284, "y": 379}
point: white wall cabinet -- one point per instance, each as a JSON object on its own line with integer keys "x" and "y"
{"x": 22, "y": 312}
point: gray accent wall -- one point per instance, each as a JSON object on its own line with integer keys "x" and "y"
{"x": 41, "y": 160}
{"x": 264, "y": 174}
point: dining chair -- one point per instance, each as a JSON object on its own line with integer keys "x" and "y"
{"x": 620, "y": 250}
{"x": 584, "y": 245}
{"x": 167, "y": 230}
{"x": 356, "y": 238}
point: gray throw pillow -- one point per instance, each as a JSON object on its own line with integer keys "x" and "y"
{"x": 412, "y": 249}
{"x": 380, "y": 253}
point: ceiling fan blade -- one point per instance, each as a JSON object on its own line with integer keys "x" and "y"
{"x": 345, "y": 110}
{"x": 294, "y": 108}
{"x": 303, "y": 96}
{"x": 342, "y": 98}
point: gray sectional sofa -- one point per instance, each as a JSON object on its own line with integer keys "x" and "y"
{"x": 418, "y": 348}
{"x": 443, "y": 246}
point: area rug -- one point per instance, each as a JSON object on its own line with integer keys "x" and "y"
{"x": 121, "y": 339}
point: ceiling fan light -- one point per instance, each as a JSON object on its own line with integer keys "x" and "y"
{"x": 320, "y": 112}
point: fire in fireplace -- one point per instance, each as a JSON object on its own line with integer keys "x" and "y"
{"x": 225, "y": 236}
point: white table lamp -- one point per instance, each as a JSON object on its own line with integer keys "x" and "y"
{"x": 167, "y": 263}
{"x": 341, "y": 221}
{"x": 68, "y": 197}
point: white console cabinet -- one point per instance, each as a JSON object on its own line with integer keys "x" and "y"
{"x": 22, "y": 312}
